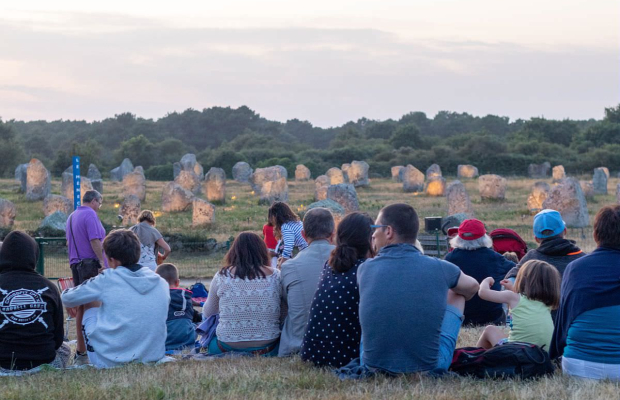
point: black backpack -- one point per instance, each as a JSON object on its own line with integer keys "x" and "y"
{"x": 510, "y": 360}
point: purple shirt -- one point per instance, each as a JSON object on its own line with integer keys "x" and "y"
{"x": 86, "y": 227}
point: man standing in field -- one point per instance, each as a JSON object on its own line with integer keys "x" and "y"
{"x": 411, "y": 305}
{"x": 85, "y": 235}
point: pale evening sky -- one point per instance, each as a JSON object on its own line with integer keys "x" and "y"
{"x": 327, "y": 62}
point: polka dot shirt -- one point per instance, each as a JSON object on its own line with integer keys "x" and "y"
{"x": 333, "y": 333}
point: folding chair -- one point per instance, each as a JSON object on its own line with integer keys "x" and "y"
{"x": 67, "y": 283}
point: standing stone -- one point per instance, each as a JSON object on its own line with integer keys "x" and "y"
{"x": 492, "y": 187}
{"x": 537, "y": 197}
{"x": 203, "y": 212}
{"x": 188, "y": 180}
{"x": 458, "y": 200}
{"x": 130, "y": 209}
{"x": 54, "y": 224}
{"x": 567, "y": 198}
{"x": 175, "y": 198}
{"x": 93, "y": 173}
{"x": 199, "y": 171}
{"x": 338, "y": 211}
{"x": 357, "y": 173}
{"x": 436, "y": 186}
{"x": 606, "y": 170}
{"x": 396, "y": 173}
{"x": 558, "y": 173}
{"x": 539, "y": 170}
{"x": 7, "y": 214}
{"x": 38, "y": 181}
{"x": 345, "y": 171}
{"x": 302, "y": 173}
{"x": 66, "y": 188}
{"x": 599, "y": 181}
{"x": 176, "y": 169}
{"x": 97, "y": 185}
{"x": 432, "y": 171}
{"x": 21, "y": 174}
{"x": 54, "y": 202}
{"x": 270, "y": 184}
{"x": 118, "y": 173}
{"x": 466, "y": 171}
{"x": 188, "y": 162}
{"x": 214, "y": 186}
{"x": 320, "y": 187}
{"x": 134, "y": 183}
{"x": 241, "y": 172}
{"x": 588, "y": 189}
{"x": 335, "y": 176}
{"x": 413, "y": 179}
{"x": 139, "y": 170}
{"x": 345, "y": 195}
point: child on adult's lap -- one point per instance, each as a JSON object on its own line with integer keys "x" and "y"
{"x": 535, "y": 292}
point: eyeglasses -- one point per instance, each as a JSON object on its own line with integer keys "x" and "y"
{"x": 378, "y": 226}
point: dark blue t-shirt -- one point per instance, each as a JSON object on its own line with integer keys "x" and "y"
{"x": 403, "y": 298}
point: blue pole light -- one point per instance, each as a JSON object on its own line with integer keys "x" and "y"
{"x": 77, "y": 192}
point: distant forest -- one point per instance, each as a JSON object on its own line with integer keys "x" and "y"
{"x": 222, "y": 136}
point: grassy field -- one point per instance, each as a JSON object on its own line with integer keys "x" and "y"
{"x": 242, "y": 212}
{"x": 290, "y": 378}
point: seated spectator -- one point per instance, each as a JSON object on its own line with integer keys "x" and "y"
{"x": 474, "y": 255}
{"x": 549, "y": 231}
{"x": 247, "y": 295}
{"x": 287, "y": 229}
{"x": 300, "y": 277}
{"x": 31, "y": 314}
{"x": 411, "y": 305}
{"x": 340, "y": 342}
{"x": 181, "y": 332}
{"x": 131, "y": 322}
{"x": 587, "y": 330}
{"x": 150, "y": 240}
{"x": 530, "y": 300}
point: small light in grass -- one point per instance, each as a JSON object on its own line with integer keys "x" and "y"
{"x": 252, "y": 192}
{"x": 117, "y": 205}
{"x": 233, "y": 198}
{"x": 157, "y": 214}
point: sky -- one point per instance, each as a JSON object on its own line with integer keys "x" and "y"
{"x": 327, "y": 62}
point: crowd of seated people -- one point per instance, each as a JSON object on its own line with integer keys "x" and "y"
{"x": 361, "y": 297}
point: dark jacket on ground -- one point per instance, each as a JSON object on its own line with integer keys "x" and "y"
{"x": 31, "y": 314}
{"x": 479, "y": 264}
{"x": 558, "y": 252}
{"x": 589, "y": 283}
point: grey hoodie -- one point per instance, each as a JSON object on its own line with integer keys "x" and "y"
{"x": 131, "y": 322}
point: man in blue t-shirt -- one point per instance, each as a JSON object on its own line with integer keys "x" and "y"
{"x": 411, "y": 305}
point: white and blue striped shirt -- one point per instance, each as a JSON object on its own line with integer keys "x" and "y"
{"x": 291, "y": 236}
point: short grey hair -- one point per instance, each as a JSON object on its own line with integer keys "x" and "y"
{"x": 91, "y": 195}
{"x": 319, "y": 223}
{"x": 459, "y": 243}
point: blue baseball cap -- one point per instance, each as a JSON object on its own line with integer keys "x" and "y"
{"x": 548, "y": 220}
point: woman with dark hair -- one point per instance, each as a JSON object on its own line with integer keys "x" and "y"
{"x": 287, "y": 229}
{"x": 333, "y": 334}
{"x": 587, "y": 325}
{"x": 247, "y": 295}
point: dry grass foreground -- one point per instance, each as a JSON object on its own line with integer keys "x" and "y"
{"x": 289, "y": 378}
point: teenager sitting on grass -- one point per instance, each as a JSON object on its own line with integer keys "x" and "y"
{"x": 247, "y": 295}
{"x": 333, "y": 334}
{"x": 31, "y": 315}
{"x": 530, "y": 301}
{"x": 131, "y": 322}
{"x": 181, "y": 314}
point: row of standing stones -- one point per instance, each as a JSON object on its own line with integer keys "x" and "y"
{"x": 334, "y": 190}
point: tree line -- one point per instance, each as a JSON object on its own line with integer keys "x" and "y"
{"x": 222, "y": 136}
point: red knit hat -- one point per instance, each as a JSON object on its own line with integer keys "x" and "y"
{"x": 471, "y": 229}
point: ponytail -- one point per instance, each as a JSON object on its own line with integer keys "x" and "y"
{"x": 343, "y": 258}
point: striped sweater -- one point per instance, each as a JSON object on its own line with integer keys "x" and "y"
{"x": 291, "y": 237}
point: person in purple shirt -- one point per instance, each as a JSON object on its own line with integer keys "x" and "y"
{"x": 85, "y": 236}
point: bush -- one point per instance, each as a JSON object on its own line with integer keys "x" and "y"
{"x": 160, "y": 173}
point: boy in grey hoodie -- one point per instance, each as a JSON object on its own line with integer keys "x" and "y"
{"x": 131, "y": 322}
